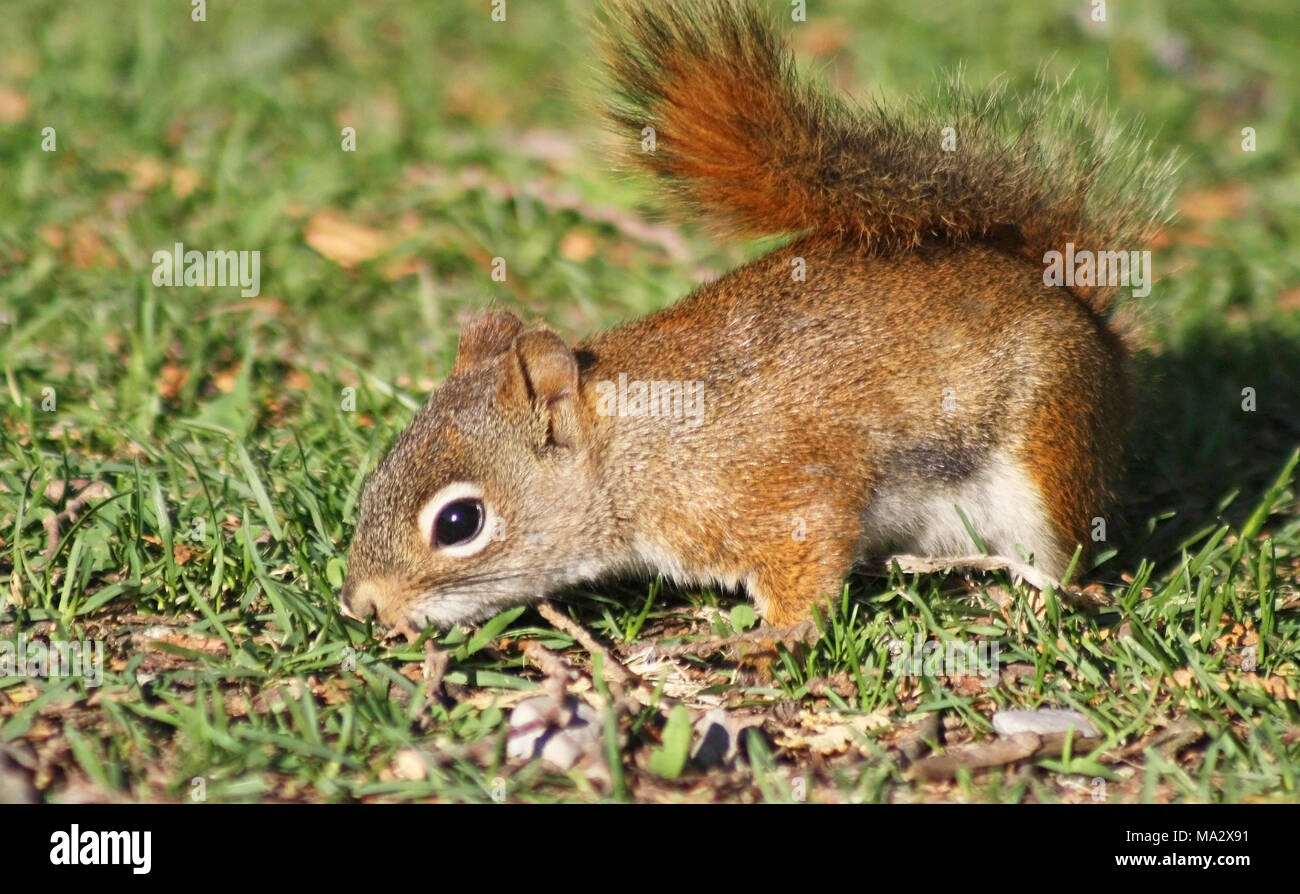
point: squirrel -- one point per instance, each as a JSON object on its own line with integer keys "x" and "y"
{"x": 896, "y": 379}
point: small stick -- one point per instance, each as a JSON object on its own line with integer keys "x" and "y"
{"x": 550, "y": 663}
{"x": 613, "y": 667}
{"x": 993, "y": 754}
{"x": 918, "y": 740}
{"x": 436, "y": 662}
{"x": 803, "y": 632}
{"x": 1174, "y": 737}
{"x": 559, "y": 672}
{"x": 929, "y": 565}
{"x": 842, "y": 684}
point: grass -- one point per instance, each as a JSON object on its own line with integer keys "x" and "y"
{"x": 229, "y": 456}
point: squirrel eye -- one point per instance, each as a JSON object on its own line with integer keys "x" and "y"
{"x": 458, "y": 522}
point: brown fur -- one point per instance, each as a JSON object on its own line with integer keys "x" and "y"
{"x": 745, "y": 143}
{"x": 922, "y": 357}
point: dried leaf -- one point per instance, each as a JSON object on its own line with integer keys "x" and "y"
{"x": 342, "y": 241}
{"x": 578, "y": 245}
{"x": 14, "y": 105}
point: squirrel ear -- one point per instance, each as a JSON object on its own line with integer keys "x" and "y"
{"x": 485, "y": 336}
{"x": 546, "y": 371}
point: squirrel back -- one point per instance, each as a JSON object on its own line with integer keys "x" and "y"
{"x": 742, "y": 140}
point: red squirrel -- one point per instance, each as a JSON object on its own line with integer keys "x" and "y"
{"x": 838, "y": 399}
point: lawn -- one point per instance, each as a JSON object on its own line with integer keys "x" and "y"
{"x": 180, "y": 466}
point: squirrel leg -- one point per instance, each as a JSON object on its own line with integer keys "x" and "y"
{"x": 793, "y": 579}
{"x": 785, "y": 588}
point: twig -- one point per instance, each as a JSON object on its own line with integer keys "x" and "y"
{"x": 1001, "y": 751}
{"x": 613, "y": 667}
{"x": 1173, "y": 738}
{"x": 1054, "y": 744}
{"x": 436, "y": 662}
{"x": 800, "y": 633}
{"x": 993, "y": 754}
{"x": 918, "y": 740}
{"x": 550, "y": 663}
{"x": 928, "y": 565}
{"x": 842, "y": 684}
{"x": 559, "y": 673}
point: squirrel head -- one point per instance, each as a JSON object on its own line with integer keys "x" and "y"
{"x": 489, "y": 498}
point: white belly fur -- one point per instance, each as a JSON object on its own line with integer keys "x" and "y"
{"x": 1001, "y": 501}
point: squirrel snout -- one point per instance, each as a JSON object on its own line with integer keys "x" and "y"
{"x": 363, "y": 599}
{"x": 358, "y": 599}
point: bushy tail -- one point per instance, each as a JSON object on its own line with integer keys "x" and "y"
{"x": 745, "y": 142}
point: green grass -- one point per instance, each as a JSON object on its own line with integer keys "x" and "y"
{"x": 217, "y": 424}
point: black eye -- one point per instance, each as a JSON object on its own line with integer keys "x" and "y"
{"x": 458, "y": 522}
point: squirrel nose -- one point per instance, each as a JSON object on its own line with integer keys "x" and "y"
{"x": 357, "y": 600}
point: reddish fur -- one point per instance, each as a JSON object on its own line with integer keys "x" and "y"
{"x": 823, "y": 394}
{"x": 751, "y": 148}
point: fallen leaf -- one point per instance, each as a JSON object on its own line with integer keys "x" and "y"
{"x": 144, "y": 173}
{"x": 994, "y": 754}
{"x": 224, "y": 380}
{"x": 401, "y": 267}
{"x": 21, "y": 695}
{"x": 14, "y": 105}
{"x": 262, "y": 304}
{"x": 1277, "y": 687}
{"x": 409, "y": 764}
{"x": 578, "y": 245}
{"x": 89, "y": 250}
{"x": 829, "y": 732}
{"x": 560, "y": 733}
{"x": 342, "y": 241}
{"x": 54, "y": 237}
{"x": 171, "y": 379}
{"x": 1223, "y": 202}
{"x": 210, "y": 645}
{"x": 184, "y": 181}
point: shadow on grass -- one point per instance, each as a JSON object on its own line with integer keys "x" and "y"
{"x": 1195, "y": 439}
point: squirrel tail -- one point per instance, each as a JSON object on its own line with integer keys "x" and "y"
{"x": 744, "y": 141}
